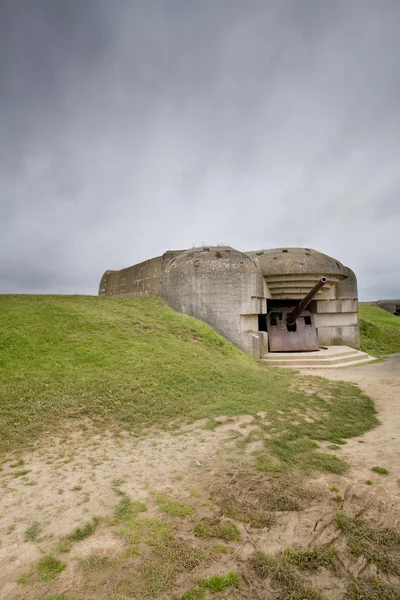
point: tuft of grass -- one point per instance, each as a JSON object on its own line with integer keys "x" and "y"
{"x": 371, "y": 588}
{"x": 95, "y": 562}
{"x": 282, "y": 573}
{"x": 19, "y": 463}
{"x": 170, "y": 556}
{"x": 379, "y": 546}
{"x": 128, "y": 509}
{"x": 67, "y": 357}
{"x": 173, "y": 556}
{"x": 312, "y": 558}
{"x": 369, "y": 482}
{"x": 296, "y": 452}
{"x": 21, "y": 473}
{"x": 215, "y": 584}
{"x": 81, "y": 533}
{"x": 220, "y": 549}
{"x": 32, "y": 532}
{"x": 76, "y": 488}
{"x": 380, "y": 470}
{"x": 174, "y": 508}
{"x": 253, "y": 499}
{"x": 64, "y": 545}
{"x": 379, "y": 331}
{"x": 215, "y": 528}
{"x": 25, "y": 577}
{"x": 49, "y": 567}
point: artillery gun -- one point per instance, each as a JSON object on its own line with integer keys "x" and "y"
{"x": 292, "y": 329}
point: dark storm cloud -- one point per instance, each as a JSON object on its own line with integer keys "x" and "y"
{"x": 135, "y": 126}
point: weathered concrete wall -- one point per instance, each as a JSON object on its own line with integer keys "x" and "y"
{"x": 143, "y": 279}
{"x": 228, "y": 289}
{"x": 392, "y": 306}
{"x": 337, "y": 320}
{"x": 220, "y": 286}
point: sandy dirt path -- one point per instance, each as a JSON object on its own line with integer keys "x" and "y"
{"x": 379, "y": 447}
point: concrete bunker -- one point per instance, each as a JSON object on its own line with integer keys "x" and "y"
{"x": 244, "y": 295}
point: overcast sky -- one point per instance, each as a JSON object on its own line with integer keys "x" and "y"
{"x": 130, "y": 127}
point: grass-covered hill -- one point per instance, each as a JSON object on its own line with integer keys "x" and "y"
{"x": 136, "y": 363}
{"x": 380, "y": 331}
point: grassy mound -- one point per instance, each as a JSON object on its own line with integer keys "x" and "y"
{"x": 137, "y": 363}
{"x": 379, "y": 330}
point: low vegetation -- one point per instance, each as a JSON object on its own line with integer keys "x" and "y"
{"x": 128, "y": 509}
{"x": 174, "y": 508}
{"x": 109, "y": 359}
{"x": 213, "y": 527}
{"x": 49, "y": 567}
{"x": 284, "y": 576}
{"x": 371, "y": 588}
{"x": 81, "y": 533}
{"x": 379, "y": 330}
{"x": 32, "y": 533}
{"x": 215, "y": 584}
{"x": 380, "y": 547}
{"x": 380, "y": 470}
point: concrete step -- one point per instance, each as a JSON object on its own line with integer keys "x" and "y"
{"x": 331, "y": 357}
{"x": 303, "y": 362}
{"x": 331, "y": 352}
{"x": 353, "y": 363}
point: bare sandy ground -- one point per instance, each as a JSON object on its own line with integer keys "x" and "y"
{"x": 73, "y": 478}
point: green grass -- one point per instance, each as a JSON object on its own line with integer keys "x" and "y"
{"x": 220, "y": 549}
{"x": 380, "y": 547}
{"x": 215, "y": 584}
{"x": 215, "y": 528}
{"x": 371, "y": 588}
{"x": 380, "y": 470}
{"x": 174, "y": 508}
{"x": 136, "y": 363}
{"x": 312, "y": 558}
{"x": 282, "y": 574}
{"x": 379, "y": 331}
{"x": 170, "y": 556}
{"x": 128, "y": 509}
{"x": 49, "y": 567}
{"x": 81, "y": 533}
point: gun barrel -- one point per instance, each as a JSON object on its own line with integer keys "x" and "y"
{"x": 296, "y": 312}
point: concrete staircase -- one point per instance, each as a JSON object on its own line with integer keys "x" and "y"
{"x": 332, "y": 357}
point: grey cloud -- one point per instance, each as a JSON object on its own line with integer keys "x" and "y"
{"x": 132, "y": 127}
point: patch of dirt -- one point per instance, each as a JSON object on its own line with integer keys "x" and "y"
{"x": 85, "y": 474}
